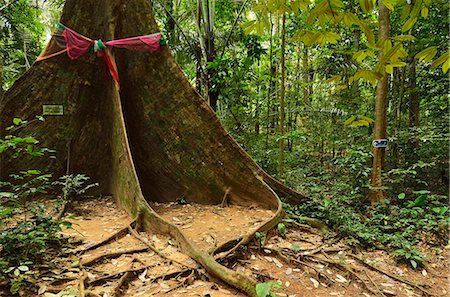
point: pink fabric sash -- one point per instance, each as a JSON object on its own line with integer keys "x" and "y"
{"x": 76, "y": 45}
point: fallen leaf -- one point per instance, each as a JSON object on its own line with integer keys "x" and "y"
{"x": 424, "y": 272}
{"x": 142, "y": 276}
{"x": 341, "y": 279}
{"x": 315, "y": 282}
{"x": 288, "y": 271}
{"x": 42, "y": 289}
{"x": 277, "y": 262}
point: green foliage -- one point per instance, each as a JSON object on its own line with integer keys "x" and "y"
{"x": 281, "y": 229}
{"x": 399, "y": 225}
{"x": 27, "y": 231}
{"x": 265, "y": 289}
{"x": 74, "y": 185}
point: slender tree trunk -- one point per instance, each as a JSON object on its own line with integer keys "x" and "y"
{"x": 377, "y": 192}
{"x": 1, "y": 79}
{"x": 306, "y": 88}
{"x": 271, "y": 86}
{"x": 282, "y": 94}
{"x": 398, "y": 117}
{"x": 414, "y": 110}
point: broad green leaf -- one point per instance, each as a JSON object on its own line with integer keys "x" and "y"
{"x": 359, "y": 123}
{"x": 446, "y": 66}
{"x": 368, "y": 32}
{"x": 401, "y": 196}
{"x": 413, "y": 264}
{"x": 359, "y": 56}
{"x": 263, "y": 290}
{"x": 366, "y": 5}
{"x": 367, "y": 119}
{"x": 424, "y": 12}
{"x": 427, "y": 54}
{"x": 350, "y": 19}
{"x": 409, "y": 24}
{"x": 249, "y": 26}
{"x": 440, "y": 60}
{"x": 389, "y": 4}
{"x": 330, "y": 37}
{"x": 349, "y": 120}
{"x": 337, "y": 3}
{"x": 17, "y": 121}
{"x": 404, "y": 38}
{"x": 367, "y": 75}
{"x": 416, "y": 8}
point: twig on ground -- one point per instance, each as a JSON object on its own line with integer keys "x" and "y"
{"x": 344, "y": 268}
{"x": 391, "y": 275}
{"x": 373, "y": 283}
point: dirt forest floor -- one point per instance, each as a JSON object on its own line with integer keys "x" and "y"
{"x": 112, "y": 259}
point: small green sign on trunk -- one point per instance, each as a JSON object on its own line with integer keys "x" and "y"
{"x": 53, "y": 109}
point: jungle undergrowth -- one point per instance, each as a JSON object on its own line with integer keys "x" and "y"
{"x": 29, "y": 235}
{"x": 409, "y": 217}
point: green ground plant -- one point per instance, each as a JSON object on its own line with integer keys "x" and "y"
{"x": 28, "y": 233}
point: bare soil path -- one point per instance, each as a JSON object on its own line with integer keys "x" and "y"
{"x": 110, "y": 259}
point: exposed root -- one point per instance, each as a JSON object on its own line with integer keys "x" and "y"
{"x": 113, "y": 255}
{"x": 374, "y": 283}
{"x": 92, "y": 294}
{"x": 82, "y": 282}
{"x": 137, "y": 236}
{"x": 115, "y": 236}
{"x": 116, "y": 289}
{"x": 315, "y": 223}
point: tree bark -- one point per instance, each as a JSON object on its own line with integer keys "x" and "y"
{"x": 414, "y": 109}
{"x": 156, "y": 140}
{"x": 282, "y": 93}
{"x": 398, "y": 116}
{"x": 377, "y": 192}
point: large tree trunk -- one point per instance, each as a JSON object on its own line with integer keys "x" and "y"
{"x": 377, "y": 192}
{"x": 156, "y": 140}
